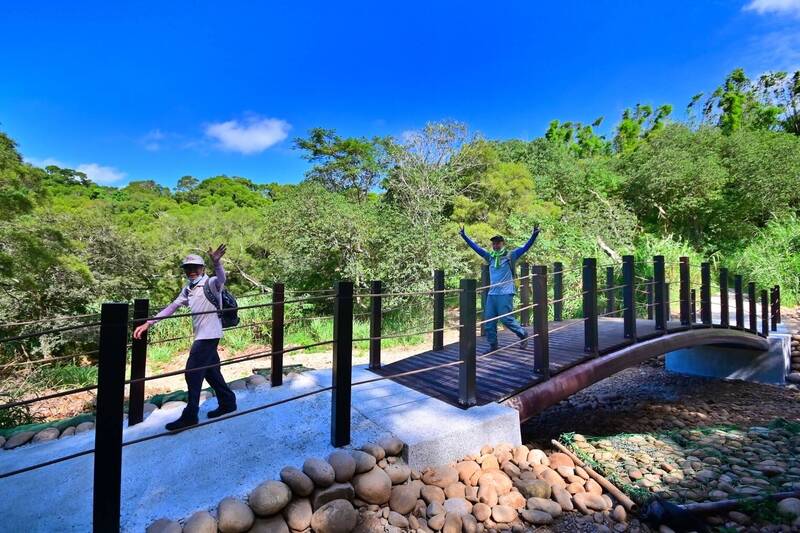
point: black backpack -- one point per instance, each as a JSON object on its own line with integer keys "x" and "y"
{"x": 229, "y": 316}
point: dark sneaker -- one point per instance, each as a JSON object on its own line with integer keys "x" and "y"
{"x": 180, "y": 423}
{"x": 219, "y": 411}
{"x": 490, "y": 349}
{"x": 524, "y": 344}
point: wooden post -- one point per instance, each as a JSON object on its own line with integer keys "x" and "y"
{"x": 650, "y": 298}
{"x": 694, "y": 306}
{"x": 541, "y": 342}
{"x": 141, "y": 310}
{"x": 342, "y": 363}
{"x": 610, "y": 290}
{"x": 629, "y": 296}
{"x": 705, "y": 293}
{"x": 590, "y": 305}
{"x": 764, "y": 313}
{"x": 685, "y": 294}
{"x": 484, "y": 294}
{"x": 778, "y": 302}
{"x": 752, "y": 303}
{"x": 558, "y": 291}
{"x": 467, "y": 343}
{"x": 659, "y": 291}
{"x": 376, "y": 323}
{"x": 724, "y": 312}
{"x": 667, "y": 302}
{"x": 438, "y": 309}
{"x": 739, "y": 298}
{"x": 773, "y": 298}
{"x": 524, "y": 293}
{"x": 278, "y": 297}
{"x": 110, "y": 402}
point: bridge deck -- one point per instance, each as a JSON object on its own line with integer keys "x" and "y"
{"x": 510, "y": 371}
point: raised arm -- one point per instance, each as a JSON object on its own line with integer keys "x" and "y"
{"x": 478, "y": 250}
{"x": 519, "y": 252}
{"x": 219, "y": 271}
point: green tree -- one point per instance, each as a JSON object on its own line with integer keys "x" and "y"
{"x": 349, "y": 164}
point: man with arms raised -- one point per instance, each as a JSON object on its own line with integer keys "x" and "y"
{"x": 500, "y": 299}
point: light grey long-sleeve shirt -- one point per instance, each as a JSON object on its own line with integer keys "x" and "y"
{"x": 208, "y": 324}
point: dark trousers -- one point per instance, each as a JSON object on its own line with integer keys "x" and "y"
{"x": 204, "y": 353}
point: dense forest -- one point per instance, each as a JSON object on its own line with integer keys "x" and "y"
{"x": 723, "y": 184}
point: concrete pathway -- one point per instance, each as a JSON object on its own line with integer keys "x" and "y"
{"x": 177, "y": 475}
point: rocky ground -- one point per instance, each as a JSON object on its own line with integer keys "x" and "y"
{"x": 501, "y": 489}
{"x": 685, "y": 439}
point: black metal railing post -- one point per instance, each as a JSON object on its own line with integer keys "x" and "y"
{"x": 467, "y": 343}
{"x": 541, "y": 340}
{"x": 484, "y": 294}
{"x": 141, "y": 310}
{"x": 610, "y": 297}
{"x": 705, "y": 293}
{"x": 376, "y": 323}
{"x": 752, "y": 306}
{"x": 724, "y": 310}
{"x": 524, "y": 293}
{"x": 342, "y": 369}
{"x": 667, "y": 302}
{"x": 738, "y": 287}
{"x": 650, "y": 298}
{"x": 685, "y": 292}
{"x": 660, "y": 292}
{"x": 438, "y": 309}
{"x": 590, "y": 305}
{"x": 276, "y": 371}
{"x": 773, "y": 300}
{"x": 629, "y": 296}
{"x": 693, "y": 296}
{"x": 558, "y": 291}
{"x": 110, "y": 403}
{"x": 778, "y": 303}
{"x": 764, "y": 313}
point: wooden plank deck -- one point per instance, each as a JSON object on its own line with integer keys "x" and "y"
{"x": 510, "y": 371}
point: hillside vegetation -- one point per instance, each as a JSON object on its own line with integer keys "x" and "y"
{"x": 723, "y": 184}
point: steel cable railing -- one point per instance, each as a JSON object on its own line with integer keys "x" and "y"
{"x": 594, "y": 316}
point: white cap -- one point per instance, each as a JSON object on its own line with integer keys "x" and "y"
{"x": 193, "y": 259}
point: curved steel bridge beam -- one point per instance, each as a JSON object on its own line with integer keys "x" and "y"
{"x": 560, "y": 386}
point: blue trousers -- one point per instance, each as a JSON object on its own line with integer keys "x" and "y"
{"x": 204, "y": 353}
{"x": 500, "y": 304}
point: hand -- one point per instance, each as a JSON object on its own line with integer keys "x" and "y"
{"x": 536, "y": 229}
{"x": 217, "y": 254}
{"x": 461, "y": 231}
{"x": 139, "y": 331}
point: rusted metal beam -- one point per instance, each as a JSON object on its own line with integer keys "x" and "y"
{"x": 563, "y": 385}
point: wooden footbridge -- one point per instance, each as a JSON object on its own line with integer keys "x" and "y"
{"x": 565, "y": 356}
{"x": 561, "y": 358}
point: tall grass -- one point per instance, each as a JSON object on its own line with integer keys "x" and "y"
{"x": 772, "y": 258}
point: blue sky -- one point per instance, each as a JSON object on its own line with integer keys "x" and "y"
{"x": 157, "y": 90}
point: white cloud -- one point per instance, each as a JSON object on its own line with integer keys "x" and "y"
{"x": 152, "y": 140}
{"x": 250, "y": 136}
{"x": 100, "y": 174}
{"x": 46, "y": 162}
{"x": 408, "y": 136}
{"x": 778, "y": 50}
{"x": 790, "y": 7}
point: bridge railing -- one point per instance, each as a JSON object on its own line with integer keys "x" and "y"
{"x": 115, "y": 326}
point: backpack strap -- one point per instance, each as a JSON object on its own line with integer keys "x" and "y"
{"x": 210, "y": 295}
